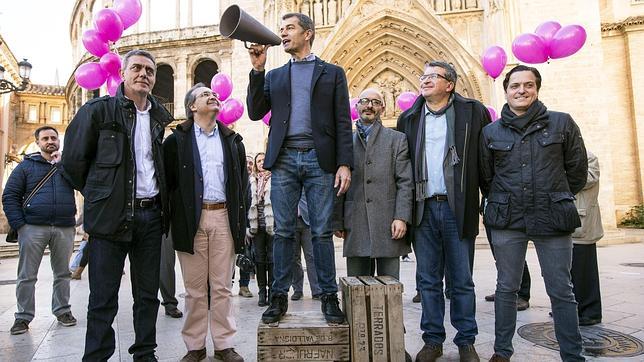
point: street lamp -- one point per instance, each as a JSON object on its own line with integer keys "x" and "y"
{"x": 24, "y": 69}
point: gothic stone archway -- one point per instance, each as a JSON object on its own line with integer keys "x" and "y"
{"x": 384, "y": 44}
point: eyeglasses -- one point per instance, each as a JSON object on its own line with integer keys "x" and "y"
{"x": 374, "y": 102}
{"x": 432, "y": 76}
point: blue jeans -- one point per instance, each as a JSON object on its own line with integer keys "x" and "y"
{"x": 105, "y": 272}
{"x": 555, "y": 259}
{"x": 437, "y": 245}
{"x": 294, "y": 170}
{"x": 303, "y": 243}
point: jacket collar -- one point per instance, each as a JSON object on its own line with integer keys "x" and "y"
{"x": 37, "y": 157}
{"x": 157, "y": 111}
{"x": 224, "y": 131}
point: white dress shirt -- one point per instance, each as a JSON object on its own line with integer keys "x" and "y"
{"x": 146, "y": 183}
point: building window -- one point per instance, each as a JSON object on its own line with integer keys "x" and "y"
{"x": 33, "y": 114}
{"x": 54, "y": 115}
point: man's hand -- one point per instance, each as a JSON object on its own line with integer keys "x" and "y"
{"x": 55, "y": 157}
{"x": 340, "y": 234}
{"x": 398, "y": 229}
{"x": 342, "y": 179}
{"x": 258, "y": 56}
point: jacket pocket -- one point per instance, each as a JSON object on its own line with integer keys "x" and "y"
{"x": 497, "y": 211}
{"x": 94, "y": 194}
{"x": 109, "y": 152}
{"x": 563, "y": 212}
{"x": 501, "y": 151}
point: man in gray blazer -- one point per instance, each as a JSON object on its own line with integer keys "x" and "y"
{"x": 373, "y": 215}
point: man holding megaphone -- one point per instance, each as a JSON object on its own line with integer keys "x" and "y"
{"x": 310, "y": 147}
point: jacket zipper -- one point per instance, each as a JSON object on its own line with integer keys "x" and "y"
{"x": 467, "y": 130}
{"x": 132, "y": 142}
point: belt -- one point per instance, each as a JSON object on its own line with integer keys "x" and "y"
{"x": 215, "y": 206}
{"x": 439, "y": 198}
{"x": 299, "y": 149}
{"x": 146, "y": 203}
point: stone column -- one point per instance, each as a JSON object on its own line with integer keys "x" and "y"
{"x": 182, "y": 81}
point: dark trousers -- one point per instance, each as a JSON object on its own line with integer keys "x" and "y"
{"x": 524, "y": 291}
{"x": 167, "y": 279}
{"x": 585, "y": 281}
{"x": 263, "y": 243}
{"x": 105, "y": 271}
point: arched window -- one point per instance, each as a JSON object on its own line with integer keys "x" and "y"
{"x": 164, "y": 87}
{"x": 204, "y": 72}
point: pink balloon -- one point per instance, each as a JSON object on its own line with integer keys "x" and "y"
{"x": 267, "y": 118}
{"x": 90, "y": 76}
{"x": 567, "y": 41}
{"x": 109, "y": 24}
{"x": 406, "y": 100}
{"x": 530, "y": 48}
{"x": 94, "y": 43}
{"x": 128, "y": 10}
{"x": 112, "y": 84}
{"x": 354, "y": 111}
{"x": 222, "y": 85}
{"x": 492, "y": 111}
{"x": 547, "y": 31}
{"x": 231, "y": 110}
{"x": 494, "y": 60}
{"x": 111, "y": 63}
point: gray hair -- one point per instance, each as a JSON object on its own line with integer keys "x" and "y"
{"x": 139, "y": 52}
{"x": 450, "y": 72}
{"x": 190, "y": 98}
{"x": 304, "y": 21}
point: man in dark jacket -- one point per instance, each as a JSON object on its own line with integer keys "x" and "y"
{"x": 207, "y": 181}
{"x": 443, "y": 130}
{"x": 47, "y": 220}
{"x": 533, "y": 162}
{"x": 113, "y": 155}
{"x": 309, "y": 146}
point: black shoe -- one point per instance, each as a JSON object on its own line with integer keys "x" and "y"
{"x": 522, "y": 304}
{"x": 589, "y": 322}
{"x": 67, "y": 319}
{"x": 331, "y": 308}
{"x": 429, "y": 353}
{"x": 277, "y": 309}
{"x": 297, "y": 296}
{"x": 173, "y": 312}
{"x": 20, "y": 326}
{"x": 416, "y": 298}
{"x": 467, "y": 353}
{"x": 489, "y": 298}
{"x": 148, "y": 358}
{"x": 316, "y": 296}
{"x": 262, "y": 301}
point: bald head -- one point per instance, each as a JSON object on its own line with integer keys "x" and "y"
{"x": 370, "y": 105}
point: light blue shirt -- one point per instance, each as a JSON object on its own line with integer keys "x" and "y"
{"x": 435, "y": 140}
{"x": 211, "y": 154}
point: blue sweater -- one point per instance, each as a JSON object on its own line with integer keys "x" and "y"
{"x": 52, "y": 205}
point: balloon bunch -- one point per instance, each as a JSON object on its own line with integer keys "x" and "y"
{"x": 109, "y": 24}
{"x": 549, "y": 41}
{"x": 231, "y": 109}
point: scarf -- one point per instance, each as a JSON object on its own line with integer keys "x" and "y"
{"x": 363, "y": 130}
{"x": 420, "y": 167}
{"x": 262, "y": 180}
{"x": 537, "y": 111}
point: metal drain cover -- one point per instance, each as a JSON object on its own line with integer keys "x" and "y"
{"x": 7, "y": 282}
{"x": 597, "y": 341}
{"x": 637, "y": 265}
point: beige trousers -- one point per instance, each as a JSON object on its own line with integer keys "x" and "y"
{"x": 213, "y": 261}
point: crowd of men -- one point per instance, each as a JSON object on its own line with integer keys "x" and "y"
{"x": 381, "y": 190}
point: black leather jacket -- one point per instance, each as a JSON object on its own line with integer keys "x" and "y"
{"x": 99, "y": 161}
{"x": 530, "y": 177}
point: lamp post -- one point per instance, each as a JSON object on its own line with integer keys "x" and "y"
{"x": 24, "y": 68}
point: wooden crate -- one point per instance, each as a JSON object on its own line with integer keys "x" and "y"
{"x": 373, "y": 306}
{"x": 303, "y": 336}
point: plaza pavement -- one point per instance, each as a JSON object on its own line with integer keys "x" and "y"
{"x": 622, "y": 292}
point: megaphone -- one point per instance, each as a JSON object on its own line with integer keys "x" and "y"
{"x": 235, "y": 23}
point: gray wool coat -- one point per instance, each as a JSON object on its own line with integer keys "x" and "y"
{"x": 380, "y": 191}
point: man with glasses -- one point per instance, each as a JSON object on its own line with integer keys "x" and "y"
{"x": 373, "y": 215}
{"x": 443, "y": 130}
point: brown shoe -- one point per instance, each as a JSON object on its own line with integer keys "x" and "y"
{"x": 195, "y": 356}
{"x": 467, "y": 353}
{"x": 76, "y": 275}
{"x": 429, "y": 353}
{"x": 498, "y": 358}
{"x": 245, "y": 292}
{"x": 228, "y": 355}
{"x": 522, "y": 304}
{"x": 416, "y": 298}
